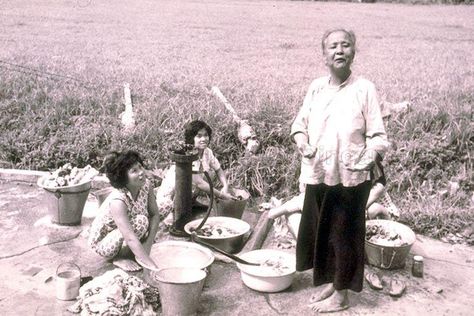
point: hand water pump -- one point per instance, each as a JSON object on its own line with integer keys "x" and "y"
{"x": 183, "y": 199}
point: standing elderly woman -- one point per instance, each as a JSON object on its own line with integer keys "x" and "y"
{"x": 128, "y": 219}
{"x": 339, "y": 132}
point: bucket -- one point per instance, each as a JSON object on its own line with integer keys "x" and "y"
{"x": 231, "y": 208}
{"x": 176, "y": 254}
{"x": 68, "y": 281}
{"x": 387, "y": 257}
{"x": 180, "y": 290}
{"x": 66, "y": 204}
{"x": 102, "y": 194}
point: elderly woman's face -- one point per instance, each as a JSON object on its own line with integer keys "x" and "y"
{"x": 339, "y": 51}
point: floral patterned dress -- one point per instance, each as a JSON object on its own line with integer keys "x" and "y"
{"x": 105, "y": 237}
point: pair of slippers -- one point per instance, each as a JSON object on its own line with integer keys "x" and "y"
{"x": 396, "y": 287}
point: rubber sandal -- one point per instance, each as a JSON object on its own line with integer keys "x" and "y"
{"x": 396, "y": 287}
{"x": 374, "y": 281}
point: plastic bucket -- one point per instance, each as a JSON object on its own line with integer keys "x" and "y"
{"x": 68, "y": 281}
{"x": 66, "y": 204}
{"x": 180, "y": 290}
{"x": 387, "y": 257}
{"x": 231, "y": 208}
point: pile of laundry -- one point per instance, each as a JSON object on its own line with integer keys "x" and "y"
{"x": 117, "y": 293}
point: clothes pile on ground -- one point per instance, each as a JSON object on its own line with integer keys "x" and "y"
{"x": 117, "y": 293}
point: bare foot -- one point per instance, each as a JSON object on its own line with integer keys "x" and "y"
{"x": 322, "y": 292}
{"x": 127, "y": 265}
{"x": 338, "y": 301}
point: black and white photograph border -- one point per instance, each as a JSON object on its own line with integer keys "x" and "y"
{"x": 235, "y": 157}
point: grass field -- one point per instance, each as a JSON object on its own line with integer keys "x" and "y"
{"x": 63, "y": 64}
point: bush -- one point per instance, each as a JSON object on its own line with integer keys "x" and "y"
{"x": 433, "y": 145}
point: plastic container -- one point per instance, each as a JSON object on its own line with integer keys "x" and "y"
{"x": 387, "y": 257}
{"x": 417, "y": 266}
{"x": 233, "y": 208}
{"x": 66, "y": 204}
{"x": 68, "y": 281}
{"x": 265, "y": 279}
{"x": 180, "y": 290}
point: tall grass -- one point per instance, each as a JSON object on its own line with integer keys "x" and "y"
{"x": 262, "y": 55}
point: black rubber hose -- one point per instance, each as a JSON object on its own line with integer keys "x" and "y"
{"x": 211, "y": 200}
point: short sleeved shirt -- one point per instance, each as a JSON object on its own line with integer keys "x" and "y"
{"x": 208, "y": 162}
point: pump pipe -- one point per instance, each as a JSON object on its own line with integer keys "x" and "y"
{"x": 211, "y": 200}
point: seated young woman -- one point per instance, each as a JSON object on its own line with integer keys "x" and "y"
{"x": 199, "y": 134}
{"x": 128, "y": 219}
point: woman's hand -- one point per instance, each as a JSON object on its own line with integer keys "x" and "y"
{"x": 362, "y": 165}
{"x": 365, "y": 163}
{"x": 303, "y": 146}
{"x": 306, "y": 150}
{"x": 225, "y": 189}
{"x": 226, "y": 196}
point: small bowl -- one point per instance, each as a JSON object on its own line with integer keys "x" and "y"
{"x": 264, "y": 278}
{"x": 231, "y": 244}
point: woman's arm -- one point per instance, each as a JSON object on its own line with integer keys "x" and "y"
{"x": 223, "y": 179}
{"x": 376, "y": 142}
{"x": 154, "y": 221}
{"x": 202, "y": 185}
{"x": 302, "y": 143}
{"x": 120, "y": 216}
{"x": 376, "y": 137}
{"x": 299, "y": 128}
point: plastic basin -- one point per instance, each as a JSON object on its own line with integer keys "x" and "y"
{"x": 267, "y": 279}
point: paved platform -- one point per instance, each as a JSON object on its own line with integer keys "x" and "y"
{"x": 32, "y": 248}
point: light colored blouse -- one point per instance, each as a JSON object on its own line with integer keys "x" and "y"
{"x": 342, "y": 123}
{"x": 208, "y": 162}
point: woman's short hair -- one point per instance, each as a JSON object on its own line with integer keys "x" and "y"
{"x": 349, "y": 33}
{"x": 116, "y": 165}
{"x": 192, "y": 128}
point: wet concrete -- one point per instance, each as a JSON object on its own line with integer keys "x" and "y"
{"x": 32, "y": 248}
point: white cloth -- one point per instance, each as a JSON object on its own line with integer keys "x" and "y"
{"x": 342, "y": 123}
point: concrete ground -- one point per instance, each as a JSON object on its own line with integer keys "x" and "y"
{"x": 32, "y": 249}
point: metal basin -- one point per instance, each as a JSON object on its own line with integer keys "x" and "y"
{"x": 176, "y": 254}
{"x": 386, "y": 256}
{"x": 231, "y": 243}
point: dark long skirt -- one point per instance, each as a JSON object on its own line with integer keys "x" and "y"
{"x": 331, "y": 235}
